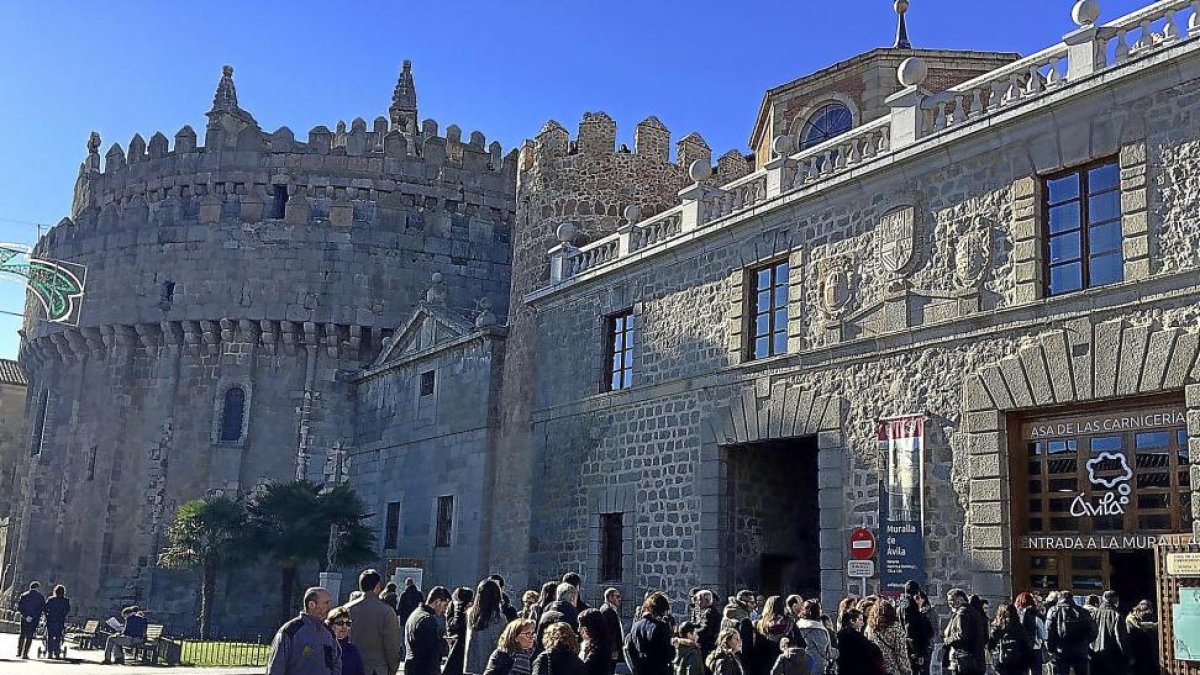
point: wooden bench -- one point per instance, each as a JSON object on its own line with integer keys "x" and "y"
{"x": 89, "y": 637}
{"x": 146, "y": 651}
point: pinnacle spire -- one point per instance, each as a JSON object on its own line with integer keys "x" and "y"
{"x": 403, "y": 112}
{"x": 225, "y": 100}
{"x": 901, "y": 27}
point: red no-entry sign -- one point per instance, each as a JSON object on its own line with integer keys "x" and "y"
{"x": 862, "y": 544}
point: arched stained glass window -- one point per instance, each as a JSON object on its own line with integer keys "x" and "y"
{"x": 831, "y": 119}
{"x": 233, "y": 414}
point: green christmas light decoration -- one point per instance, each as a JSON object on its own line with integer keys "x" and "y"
{"x": 57, "y": 284}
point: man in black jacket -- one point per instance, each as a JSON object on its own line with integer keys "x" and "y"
{"x": 1111, "y": 648}
{"x": 962, "y": 637}
{"x": 1070, "y": 633}
{"x": 917, "y": 627}
{"x": 614, "y": 631}
{"x": 30, "y": 606}
{"x": 707, "y": 618}
{"x": 648, "y": 650}
{"x": 424, "y": 644}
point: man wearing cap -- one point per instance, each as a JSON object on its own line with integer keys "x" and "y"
{"x": 305, "y": 645}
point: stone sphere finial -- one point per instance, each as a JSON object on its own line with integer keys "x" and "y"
{"x": 633, "y": 213}
{"x": 437, "y": 278}
{"x": 700, "y": 170}
{"x": 912, "y": 72}
{"x": 227, "y": 70}
{"x": 566, "y": 233}
{"x": 1085, "y": 12}
{"x": 901, "y": 6}
{"x": 783, "y": 145}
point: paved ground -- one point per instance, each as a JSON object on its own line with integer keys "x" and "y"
{"x": 88, "y": 663}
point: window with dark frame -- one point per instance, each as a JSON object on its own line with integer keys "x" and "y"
{"x": 618, "y": 352}
{"x": 392, "y": 532}
{"x": 768, "y": 301}
{"x": 91, "y": 464}
{"x": 428, "y": 381}
{"x": 445, "y": 521}
{"x": 278, "y": 201}
{"x": 612, "y": 526}
{"x": 233, "y": 414}
{"x": 1083, "y": 228}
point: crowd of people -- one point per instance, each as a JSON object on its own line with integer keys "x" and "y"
{"x": 555, "y": 632}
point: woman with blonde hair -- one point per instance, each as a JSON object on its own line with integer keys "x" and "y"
{"x": 770, "y": 629}
{"x": 726, "y": 659}
{"x": 884, "y": 630}
{"x": 514, "y": 649}
{"x": 561, "y": 652}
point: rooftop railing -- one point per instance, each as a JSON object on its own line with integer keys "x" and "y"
{"x": 915, "y": 115}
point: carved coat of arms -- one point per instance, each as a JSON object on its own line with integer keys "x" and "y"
{"x": 973, "y": 254}
{"x": 897, "y": 239}
{"x": 836, "y": 285}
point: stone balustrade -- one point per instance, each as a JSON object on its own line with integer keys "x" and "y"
{"x": 916, "y": 116}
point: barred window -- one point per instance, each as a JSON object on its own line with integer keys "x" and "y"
{"x": 768, "y": 301}
{"x": 612, "y": 531}
{"x": 39, "y": 426}
{"x": 1083, "y": 228}
{"x": 618, "y": 353}
{"x": 428, "y": 382}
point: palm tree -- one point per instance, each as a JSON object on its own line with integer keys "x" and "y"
{"x": 293, "y": 521}
{"x": 206, "y": 535}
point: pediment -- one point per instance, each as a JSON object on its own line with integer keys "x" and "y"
{"x": 428, "y": 327}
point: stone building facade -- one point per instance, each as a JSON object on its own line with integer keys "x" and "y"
{"x": 12, "y": 441}
{"x": 924, "y": 263}
{"x": 660, "y": 371}
{"x": 233, "y": 287}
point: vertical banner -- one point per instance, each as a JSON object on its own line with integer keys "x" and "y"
{"x": 901, "y": 503}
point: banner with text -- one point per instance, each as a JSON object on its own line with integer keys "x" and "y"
{"x": 902, "y": 503}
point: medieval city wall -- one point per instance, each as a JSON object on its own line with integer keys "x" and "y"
{"x": 866, "y": 344}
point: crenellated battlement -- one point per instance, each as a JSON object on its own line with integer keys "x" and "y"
{"x": 596, "y": 140}
{"x": 259, "y": 175}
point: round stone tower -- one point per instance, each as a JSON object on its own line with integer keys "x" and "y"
{"x": 230, "y": 288}
{"x": 587, "y": 182}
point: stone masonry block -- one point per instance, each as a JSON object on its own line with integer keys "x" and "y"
{"x": 984, "y": 466}
{"x": 1025, "y": 186}
{"x": 1058, "y": 365}
{"x": 1017, "y": 382}
{"x": 986, "y": 536}
{"x": 1026, "y": 293}
{"x": 1135, "y": 247}
{"x": 989, "y": 561}
{"x": 1137, "y": 269}
{"x": 1182, "y": 358}
{"x": 986, "y": 513}
{"x": 983, "y": 420}
{"x": 829, "y": 441}
{"x": 1133, "y": 201}
{"x": 1133, "y": 224}
{"x": 1192, "y": 395}
{"x": 1035, "y": 372}
{"x": 975, "y": 396}
{"x": 986, "y": 490}
{"x": 1133, "y": 357}
{"x": 1026, "y": 250}
{"x": 1024, "y": 229}
{"x": 1134, "y": 153}
{"x": 1028, "y": 271}
{"x": 1158, "y": 355}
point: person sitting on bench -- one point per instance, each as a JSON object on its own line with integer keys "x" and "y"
{"x": 132, "y": 633}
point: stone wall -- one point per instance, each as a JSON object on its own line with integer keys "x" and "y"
{"x": 872, "y": 343}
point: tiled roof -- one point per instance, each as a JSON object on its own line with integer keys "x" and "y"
{"x": 11, "y": 373}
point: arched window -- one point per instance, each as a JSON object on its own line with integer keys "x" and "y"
{"x": 233, "y": 413}
{"x": 831, "y": 119}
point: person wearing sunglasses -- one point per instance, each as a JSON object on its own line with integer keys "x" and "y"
{"x": 340, "y": 623}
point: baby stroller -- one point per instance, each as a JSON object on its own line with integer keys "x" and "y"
{"x": 46, "y": 648}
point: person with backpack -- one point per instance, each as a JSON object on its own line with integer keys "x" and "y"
{"x": 1070, "y": 633}
{"x": 1035, "y": 629}
{"x": 1111, "y": 651}
{"x": 917, "y": 627}
{"x": 1011, "y": 648}
{"x": 818, "y": 642}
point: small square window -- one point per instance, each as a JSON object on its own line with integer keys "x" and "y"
{"x": 428, "y": 381}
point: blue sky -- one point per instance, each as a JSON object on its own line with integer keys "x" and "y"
{"x": 500, "y": 67}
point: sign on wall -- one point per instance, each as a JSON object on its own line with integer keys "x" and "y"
{"x": 901, "y": 503}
